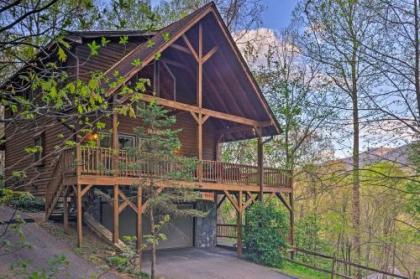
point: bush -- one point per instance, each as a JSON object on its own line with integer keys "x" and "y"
{"x": 21, "y": 200}
{"x": 119, "y": 262}
{"x": 264, "y": 233}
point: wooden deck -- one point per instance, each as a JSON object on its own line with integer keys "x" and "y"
{"x": 96, "y": 168}
{"x": 81, "y": 168}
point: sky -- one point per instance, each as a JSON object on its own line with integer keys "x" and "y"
{"x": 278, "y": 13}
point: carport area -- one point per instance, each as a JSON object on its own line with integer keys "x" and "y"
{"x": 209, "y": 263}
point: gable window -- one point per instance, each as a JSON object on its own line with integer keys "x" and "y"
{"x": 39, "y": 143}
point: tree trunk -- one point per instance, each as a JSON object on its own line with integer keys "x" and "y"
{"x": 356, "y": 159}
{"x": 417, "y": 54}
{"x": 152, "y": 232}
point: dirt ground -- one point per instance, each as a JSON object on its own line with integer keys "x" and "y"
{"x": 42, "y": 244}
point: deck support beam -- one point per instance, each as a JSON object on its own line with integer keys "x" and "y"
{"x": 139, "y": 229}
{"x": 79, "y": 215}
{"x": 239, "y": 206}
{"x": 292, "y": 225}
{"x": 115, "y": 140}
{"x": 199, "y": 117}
{"x": 116, "y": 216}
{"x": 239, "y": 224}
{"x": 260, "y": 167}
{"x": 79, "y": 192}
{"x": 115, "y": 159}
{"x": 66, "y": 210}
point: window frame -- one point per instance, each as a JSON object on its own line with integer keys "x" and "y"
{"x": 120, "y": 135}
{"x": 38, "y": 157}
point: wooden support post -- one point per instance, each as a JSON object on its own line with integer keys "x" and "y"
{"x": 78, "y": 160}
{"x": 115, "y": 141}
{"x": 200, "y": 101}
{"x": 239, "y": 225}
{"x": 260, "y": 168}
{"x": 79, "y": 215}
{"x": 139, "y": 231}
{"x": 116, "y": 229}
{"x": 66, "y": 211}
{"x": 292, "y": 224}
{"x": 200, "y": 147}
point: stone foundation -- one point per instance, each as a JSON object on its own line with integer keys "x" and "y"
{"x": 205, "y": 228}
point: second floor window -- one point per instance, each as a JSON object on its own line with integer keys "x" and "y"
{"x": 39, "y": 143}
{"x": 125, "y": 140}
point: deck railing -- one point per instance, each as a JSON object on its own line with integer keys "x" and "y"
{"x": 227, "y": 230}
{"x": 99, "y": 161}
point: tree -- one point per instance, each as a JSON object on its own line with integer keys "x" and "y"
{"x": 336, "y": 35}
{"x": 296, "y": 93}
{"x": 159, "y": 141}
{"x": 397, "y": 60}
{"x": 238, "y": 15}
{"x": 128, "y": 14}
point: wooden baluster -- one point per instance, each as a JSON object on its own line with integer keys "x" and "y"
{"x": 78, "y": 160}
{"x": 126, "y": 163}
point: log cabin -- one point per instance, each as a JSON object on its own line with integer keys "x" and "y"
{"x": 205, "y": 82}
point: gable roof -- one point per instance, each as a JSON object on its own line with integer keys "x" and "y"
{"x": 175, "y": 30}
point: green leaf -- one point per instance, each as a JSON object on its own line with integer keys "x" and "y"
{"x": 94, "y": 48}
{"x": 150, "y": 43}
{"x": 123, "y": 40}
{"x": 104, "y": 41}
{"x": 136, "y": 62}
{"x": 62, "y": 56}
{"x": 166, "y": 36}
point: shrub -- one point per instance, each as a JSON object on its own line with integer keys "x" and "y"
{"x": 264, "y": 233}
{"x": 119, "y": 262}
{"x": 21, "y": 200}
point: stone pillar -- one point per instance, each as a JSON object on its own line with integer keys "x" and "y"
{"x": 205, "y": 228}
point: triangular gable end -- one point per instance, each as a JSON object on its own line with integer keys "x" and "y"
{"x": 146, "y": 54}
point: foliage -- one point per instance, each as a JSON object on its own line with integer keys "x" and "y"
{"x": 323, "y": 214}
{"x": 128, "y": 259}
{"x": 413, "y": 186}
{"x": 264, "y": 233}
{"x": 21, "y": 200}
{"x": 308, "y": 236}
{"x": 301, "y": 271}
{"x": 55, "y": 265}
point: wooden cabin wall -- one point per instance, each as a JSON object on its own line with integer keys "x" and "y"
{"x": 187, "y": 135}
{"x": 19, "y": 136}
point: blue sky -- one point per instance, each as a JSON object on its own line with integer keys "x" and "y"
{"x": 277, "y": 13}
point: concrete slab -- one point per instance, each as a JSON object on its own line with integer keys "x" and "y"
{"x": 214, "y": 263}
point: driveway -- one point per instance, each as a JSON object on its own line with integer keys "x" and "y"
{"x": 215, "y": 263}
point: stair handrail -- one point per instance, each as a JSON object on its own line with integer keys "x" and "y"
{"x": 53, "y": 189}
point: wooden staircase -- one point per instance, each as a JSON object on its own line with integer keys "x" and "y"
{"x": 55, "y": 188}
{"x": 54, "y": 199}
